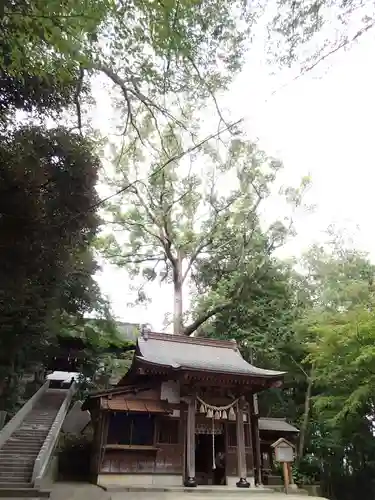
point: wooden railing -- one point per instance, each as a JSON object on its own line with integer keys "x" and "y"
{"x": 19, "y": 417}
{"x": 44, "y": 456}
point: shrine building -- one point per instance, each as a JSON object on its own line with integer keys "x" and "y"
{"x": 184, "y": 414}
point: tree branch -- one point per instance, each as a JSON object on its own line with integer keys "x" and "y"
{"x": 188, "y": 330}
{"x": 328, "y": 54}
{"x": 207, "y": 239}
{"x": 131, "y": 259}
{"x": 143, "y": 227}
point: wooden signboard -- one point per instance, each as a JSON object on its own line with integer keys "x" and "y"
{"x": 284, "y": 453}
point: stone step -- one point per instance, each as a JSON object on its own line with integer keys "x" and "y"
{"x": 18, "y": 453}
{"x": 36, "y": 439}
{"x": 27, "y": 442}
{"x": 22, "y": 460}
{"x": 40, "y": 415}
{"x": 21, "y": 491}
{"x": 38, "y": 426}
{"x": 27, "y": 439}
{"x": 16, "y": 467}
{"x": 19, "y": 467}
{"x": 15, "y": 478}
{"x": 39, "y": 418}
{"x": 38, "y": 434}
{"x": 216, "y": 492}
{"x": 14, "y": 472}
{"x": 21, "y": 451}
{"x": 35, "y": 427}
{"x": 22, "y": 446}
{"x": 8, "y": 484}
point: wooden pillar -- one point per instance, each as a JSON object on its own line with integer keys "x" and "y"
{"x": 241, "y": 453}
{"x": 254, "y": 420}
{"x": 190, "y": 444}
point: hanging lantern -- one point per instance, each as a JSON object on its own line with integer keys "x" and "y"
{"x": 232, "y": 415}
{"x": 217, "y": 415}
{"x": 209, "y": 413}
{"x": 224, "y": 415}
{"x": 244, "y": 417}
{"x": 202, "y": 409}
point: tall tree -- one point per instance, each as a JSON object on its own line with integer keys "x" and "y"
{"x": 335, "y": 329}
{"x": 48, "y": 178}
{"x": 177, "y": 215}
{"x": 47, "y": 190}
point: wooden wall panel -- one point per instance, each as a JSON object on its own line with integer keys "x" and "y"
{"x": 169, "y": 459}
{"x": 117, "y": 462}
{"x": 166, "y": 460}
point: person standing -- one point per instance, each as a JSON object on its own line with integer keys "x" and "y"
{"x": 219, "y": 472}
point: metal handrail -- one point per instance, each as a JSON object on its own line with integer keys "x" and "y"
{"x": 44, "y": 455}
{"x": 19, "y": 417}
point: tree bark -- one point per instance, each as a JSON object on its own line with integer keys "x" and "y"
{"x": 306, "y": 413}
{"x": 178, "y": 304}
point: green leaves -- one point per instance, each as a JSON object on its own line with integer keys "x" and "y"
{"x": 47, "y": 180}
{"x": 309, "y": 32}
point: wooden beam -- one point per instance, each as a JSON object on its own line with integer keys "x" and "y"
{"x": 190, "y": 444}
{"x": 254, "y": 420}
{"x": 241, "y": 452}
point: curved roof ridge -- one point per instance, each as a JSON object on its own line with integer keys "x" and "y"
{"x": 183, "y": 339}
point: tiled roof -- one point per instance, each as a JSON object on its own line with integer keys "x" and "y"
{"x": 276, "y": 424}
{"x": 211, "y": 355}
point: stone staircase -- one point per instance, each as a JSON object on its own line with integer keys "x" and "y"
{"x": 19, "y": 452}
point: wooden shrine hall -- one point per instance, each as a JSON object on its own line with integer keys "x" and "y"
{"x": 184, "y": 414}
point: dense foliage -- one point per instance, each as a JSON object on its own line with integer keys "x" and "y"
{"x": 173, "y": 220}
{"x": 47, "y": 190}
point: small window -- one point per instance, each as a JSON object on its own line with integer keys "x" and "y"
{"x": 131, "y": 428}
{"x": 168, "y": 430}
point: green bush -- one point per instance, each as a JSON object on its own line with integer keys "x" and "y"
{"x": 74, "y": 456}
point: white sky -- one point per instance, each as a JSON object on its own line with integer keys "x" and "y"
{"x": 320, "y": 124}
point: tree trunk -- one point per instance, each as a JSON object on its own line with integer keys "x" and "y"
{"x": 306, "y": 413}
{"x": 178, "y": 305}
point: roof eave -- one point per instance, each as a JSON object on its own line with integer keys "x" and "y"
{"x": 273, "y": 376}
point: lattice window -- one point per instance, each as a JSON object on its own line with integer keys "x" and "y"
{"x": 131, "y": 428}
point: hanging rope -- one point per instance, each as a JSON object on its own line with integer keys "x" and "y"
{"x": 217, "y": 412}
{"x": 213, "y": 444}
